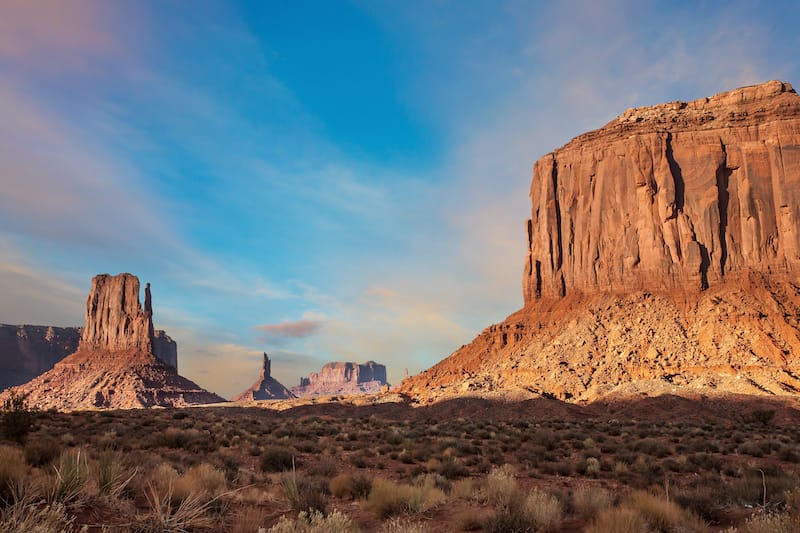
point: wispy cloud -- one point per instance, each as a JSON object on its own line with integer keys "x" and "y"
{"x": 297, "y": 329}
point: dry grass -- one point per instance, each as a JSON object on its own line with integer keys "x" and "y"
{"x": 388, "y": 498}
{"x": 12, "y": 472}
{"x": 68, "y": 483}
{"x": 315, "y": 522}
{"x": 203, "y": 481}
{"x": 351, "y": 486}
{"x": 619, "y": 520}
{"x": 769, "y": 523}
{"x": 588, "y": 501}
{"x": 543, "y": 510}
{"x": 501, "y": 487}
{"x": 664, "y": 515}
{"x": 249, "y": 519}
{"x": 31, "y": 517}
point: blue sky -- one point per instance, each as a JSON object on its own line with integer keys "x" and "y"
{"x": 321, "y": 180}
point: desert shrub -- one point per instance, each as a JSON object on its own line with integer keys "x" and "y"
{"x": 67, "y": 483}
{"x": 762, "y": 416}
{"x": 112, "y": 474}
{"x": 277, "y": 459}
{"x": 249, "y": 519}
{"x": 36, "y": 517}
{"x": 203, "y": 481}
{"x": 179, "y": 438}
{"x": 749, "y": 489}
{"x": 325, "y": 467}
{"x": 353, "y": 486}
{"x": 618, "y": 520}
{"x": 451, "y": 468}
{"x": 398, "y": 525}
{"x": 588, "y": 501}
{"x": 388, "y": 498}
{"x": 664, "y": 515}
{"x": 592, "y": 467}
{"x": 165, "y": 514}
{"x": 12, "y": 472}
{"x": 542, "y": 510}
{"x": 315, "y": 522}
{"x": 501, "y": 487}
{"x": 653, "y": 447}
{"x": 769, "y": 523}
{"x": 462, "y": 488}
{"x": 162, "y": 478}
{"x": 17, "y": 419}
{"x": 509, "y": 519}
{"x": 305, "y": 494}
{"x": 39, "y": 452}
{"x": 470, "y": 521}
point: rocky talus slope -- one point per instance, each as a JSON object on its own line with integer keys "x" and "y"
{"x": 266, "y": 388}
{"x": 114, "y": 365}
{"x": 343, "y": 378}
{"x": 663, "y": 256}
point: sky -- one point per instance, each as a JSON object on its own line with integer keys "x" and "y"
{"x": 321, "y": 180}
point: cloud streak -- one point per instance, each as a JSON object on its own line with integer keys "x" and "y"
{"x": 297, "y": 329}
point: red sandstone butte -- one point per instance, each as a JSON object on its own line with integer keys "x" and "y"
{"x": 663, "y": 256}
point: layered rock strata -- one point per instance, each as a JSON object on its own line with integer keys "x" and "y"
{"x": 344, "y": 378}
{"x": 266, "y": 388}
{"x": 115, "y": 365}
{"x": 663, "y": 255}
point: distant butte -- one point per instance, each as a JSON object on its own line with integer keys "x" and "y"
{"x": 115, "y": 365}
{"x": 266, "y": 388}
{"x": 663, "y": 256}
{"x": 343, "y": 378}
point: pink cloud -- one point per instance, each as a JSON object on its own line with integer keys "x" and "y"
{"x": 31, "y": 31}
{"x": 295, "y": 330}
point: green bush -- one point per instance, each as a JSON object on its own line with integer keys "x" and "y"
{"x": 277, "y": 460}
{"x": 17, "y": 418}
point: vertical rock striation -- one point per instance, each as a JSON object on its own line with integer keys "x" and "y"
{"x": 679, "y": 195}
{"x": 115, "y": 320}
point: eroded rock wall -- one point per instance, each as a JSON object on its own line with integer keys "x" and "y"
{"x": 680, "y": 195}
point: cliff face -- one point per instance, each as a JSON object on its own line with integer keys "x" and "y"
{"x": 27, "y": 351}
{"x": 663, "y": 256}
{"x": 266, "y": 388}
{"x": 343, "y": 378}
{"x": 680, "y": 195}
{"x": 115, "y": 364}
{"x": 115, "y": 320}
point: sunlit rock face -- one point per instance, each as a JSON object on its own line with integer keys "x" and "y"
{"x": 678, "y": 195}
{"x": 663, "y": 256}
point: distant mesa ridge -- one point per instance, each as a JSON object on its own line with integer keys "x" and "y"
{"x": 115, "y": 363}
{"x": 663, "y": 254}
{"x": 343, "y": 378}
